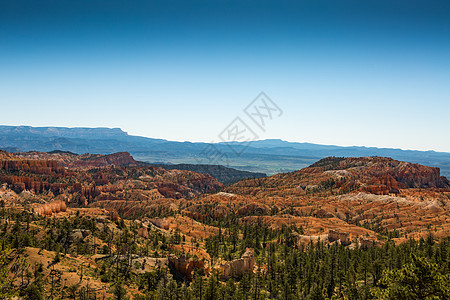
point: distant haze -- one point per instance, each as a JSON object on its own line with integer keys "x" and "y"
{"x": 367, "y": 73}
{"x": 264, "y": 156}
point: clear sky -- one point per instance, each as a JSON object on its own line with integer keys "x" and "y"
{"x": 372, "y": 73}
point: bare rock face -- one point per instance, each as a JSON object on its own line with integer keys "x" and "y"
{"x": 22, "y": 183}
{"x": 397, "y": 174}
{"x": 337, "y": 235}
{"x": 84, "y": 161}
{"x": 185, "y": 267}
{"x": 32, "y": 166}
{"x": 239, "y": 266}
{"x": 380, "y": 175}
{"x": 24, "y": 174}
{"x": 89, "y": 178}
{"x": 96, "y": 161}
{"x": 339, "y": 175}
{"x": 382, "y": 185}
{"x": 50, "y": 208}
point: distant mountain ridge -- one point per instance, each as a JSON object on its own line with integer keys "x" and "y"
{"x": 65, "y": 132}
{"x": 265, "y": 156}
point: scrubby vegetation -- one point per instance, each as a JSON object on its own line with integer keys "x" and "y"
{"x": 284, "y": 269}
{"x": 342, "y": 229}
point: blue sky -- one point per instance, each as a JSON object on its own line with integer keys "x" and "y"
{"x": 373, "y": 73}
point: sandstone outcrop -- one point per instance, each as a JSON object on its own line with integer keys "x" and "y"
{"x": 21, "y": 183}
{"x": 337, "y": 235}
{"x": 50, "y": 208}
{"x": 84, "y": 161}
{"x": 367, "y": 243}
{"x": 376, "y": 175}
{"x": 395, "y": 174}
{"x": 32, "y": 166}
{"x": 239, "y": 266}
{"x": 92, "y": 177}
{"x": 186, "y": 267}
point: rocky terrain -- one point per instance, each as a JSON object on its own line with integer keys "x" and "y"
{"x": 83, "y": 161}
{"x": 82, "y": 179}
{"x": 264, "y": 156}
{"x": 368, "y": 196}
{"x": 88, "y": 218}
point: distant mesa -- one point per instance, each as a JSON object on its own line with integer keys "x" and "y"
{"x": 264, "y": 156}
{"x": 78, "y": 132}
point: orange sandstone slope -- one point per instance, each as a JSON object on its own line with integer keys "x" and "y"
{"x": 336, "y": 175}
{"x": 371, "y": 197}
{"x": 84, "y": 161}
{"x": 368, "y": 196}
{"x": 93, "y": 178}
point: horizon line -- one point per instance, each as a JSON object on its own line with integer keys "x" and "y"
{"x": 206, "y": 142}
